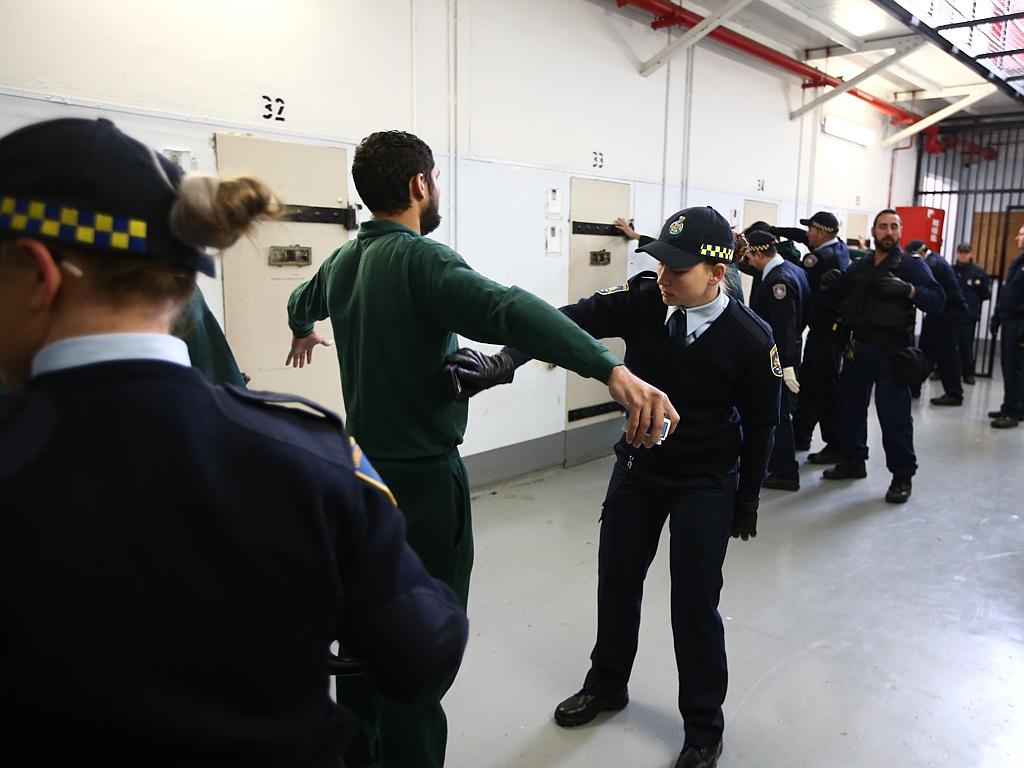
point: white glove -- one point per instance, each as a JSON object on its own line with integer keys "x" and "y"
{"x": 789, "y": 379}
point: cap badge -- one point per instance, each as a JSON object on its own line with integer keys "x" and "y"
{"x": 676, "y": 226}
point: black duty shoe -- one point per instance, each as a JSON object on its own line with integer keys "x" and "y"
{"x": 969, "y": 379}
{"x": 947, "y": 400}
{"x": 849, "y": 469}
{"x": 915, "y": 394}
{"x": 899, "y": 490}
{"x": 779, "y": 483}
{"x": 1002, "y": 421}
{"x": 995, "y": 414}
{"x": 699, "y": 757}
{"x": 826, "y": 456}
{"x": 582, "y": 707}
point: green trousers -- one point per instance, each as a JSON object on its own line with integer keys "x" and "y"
{"x": 434, "y": 496}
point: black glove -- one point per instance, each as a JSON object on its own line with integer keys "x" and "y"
{"x": 469, "y": 372}
{"x": 993, "y": 325}
{"x": 744, "y": 519}
{"x": 830, "y": 278}
{"x": 890, "y": 285}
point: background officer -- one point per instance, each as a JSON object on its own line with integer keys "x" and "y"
{"x": 178, "y": 556}
{"x": 819, "y": 374}
{"x": 781, "y": 300}
{"x": 940, "y": 330}
{"x": 717, "y": 359}
{"x": 877, "y": 297}
{"x": 976, "y": 287}
{"x": 396, "y": 300}
{"x": 1009, "y": 315}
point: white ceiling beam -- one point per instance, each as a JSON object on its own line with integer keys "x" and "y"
{"x": 900, "y": 70}
{"x": 810, "y": 19}
{"x": 943, "y": 93}
{"x": 693, "y": 35}
{"x": 846, "y": 85}
{"x": 939, "y": 116}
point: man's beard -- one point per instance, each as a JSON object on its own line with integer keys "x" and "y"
{"x": 887, "y": 243}
{"x": 430, "y": 219}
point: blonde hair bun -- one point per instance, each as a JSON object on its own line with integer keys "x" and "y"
{"x": 215, "y": 212}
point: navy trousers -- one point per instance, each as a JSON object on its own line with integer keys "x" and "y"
{"x": 940, "y": 339}
{"x": 966, "y": 331}
{"x": 783, "y": 459}
{"x": 699, "y": 511}
{"x": 871, "y": 367}
{"x": 1013, "y": 368}
{"x": 819, "y": 388}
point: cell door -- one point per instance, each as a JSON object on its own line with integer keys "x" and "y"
{"x": 261, "y": 271}
{"x": 598, "y": 255}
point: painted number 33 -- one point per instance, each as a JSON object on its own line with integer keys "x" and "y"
{"x": 273, "y": 109}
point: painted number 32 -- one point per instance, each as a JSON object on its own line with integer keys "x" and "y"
{"x": 273, "y": 109}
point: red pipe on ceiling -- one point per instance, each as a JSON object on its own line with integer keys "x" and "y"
{"x": 669, "y": 14}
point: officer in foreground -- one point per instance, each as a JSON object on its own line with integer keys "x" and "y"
{"x": 175, "y": 558}
{"x": 878, "y": 298}
{"x": 717, "y": 360}
{"x": 1009, "y": 316}
{"x": 781, "y": 300}
{"x": 940, "y": 330}
{"x": 819, "y": 374}
{"x": 976, "y": 287}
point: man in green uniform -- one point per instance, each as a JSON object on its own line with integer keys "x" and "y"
{"x": 396, "y": 300}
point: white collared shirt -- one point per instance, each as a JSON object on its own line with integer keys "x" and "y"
{"x": 699, "y": 319}
{"x": 772, "y": 264}
{"x": 108, "y": 347}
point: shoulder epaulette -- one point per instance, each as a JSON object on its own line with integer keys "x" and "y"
{"x": 749, "y": 320}
{"x": 280, "y": 399}
{"x": 26, "y": 423}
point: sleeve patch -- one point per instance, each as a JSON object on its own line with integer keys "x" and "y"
{"x": 613, "y": 289}
{"x": 810, "y": 260}
{"x": 775, "y": 362}
{"x": 779, "y": 291}
{"x": 364, "y": 470}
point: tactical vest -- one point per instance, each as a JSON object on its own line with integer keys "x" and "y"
{"x": 872, "y": 315}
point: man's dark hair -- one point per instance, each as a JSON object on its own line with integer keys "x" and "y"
{"x": 383, "y": 164}
{"x": 965, "y": 248}
{"x": 882, "y": 213}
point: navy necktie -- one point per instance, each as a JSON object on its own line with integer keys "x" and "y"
{"x": 677, "y": 327}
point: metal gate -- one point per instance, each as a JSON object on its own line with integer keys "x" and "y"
{"x": 977, "y": 178}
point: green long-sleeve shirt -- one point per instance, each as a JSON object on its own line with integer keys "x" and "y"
{"x": 396, "y": 300}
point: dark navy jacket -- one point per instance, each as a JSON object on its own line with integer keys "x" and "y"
{"x": 976, "y": 287}
{"x": 1011, "y": 293}
{"x": 783, "y": 301}
{"x": 175, "y": 561}
{"x": 817, "y": 262}
{"x": 724, "y": 376}
{"x": 863, "y": 305}
{"x": 956, "y": 304}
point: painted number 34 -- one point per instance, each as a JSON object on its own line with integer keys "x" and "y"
{"x": 273, "y": 109}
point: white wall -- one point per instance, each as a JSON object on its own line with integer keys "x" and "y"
{"x": 514, "y": 97}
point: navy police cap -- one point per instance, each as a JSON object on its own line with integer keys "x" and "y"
{"x": 691, "y": 236}
{"x": 760, "y": 241}
{"x": 824, "y": 221}
{"x": 86, "y": 184}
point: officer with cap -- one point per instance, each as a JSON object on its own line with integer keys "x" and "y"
{"x": 396, "y": 300}
{"x": 1009, "y": 316}
{"x": 782, "y": 300}
{"x": 784, "y": 247}
{"x": 733, "y": 283}
{"x": 180, "y": 556}
{"x": 819, "y": 374}
{"x": 717, "y": 360}
{"x": 878, "y": 298}
{"x": 940, "y": 330}
{"x": 976, "y": 287}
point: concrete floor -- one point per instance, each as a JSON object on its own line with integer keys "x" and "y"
{"x": 859, "y": 633}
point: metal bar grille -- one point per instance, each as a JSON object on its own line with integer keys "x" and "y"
{"x": 984, "y": 205}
